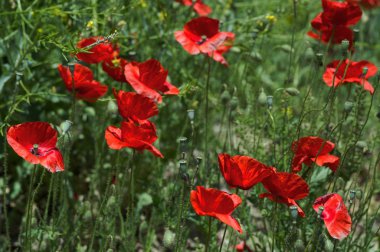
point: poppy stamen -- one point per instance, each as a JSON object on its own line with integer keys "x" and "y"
{"x": 34, "y": 151}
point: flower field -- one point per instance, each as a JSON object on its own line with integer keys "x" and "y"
{"x": 190, "y": 125}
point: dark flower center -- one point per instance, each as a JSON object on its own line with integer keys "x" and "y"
{"x": 34, "y": 150}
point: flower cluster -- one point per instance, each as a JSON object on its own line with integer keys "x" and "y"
{"x": 244, "y": 172}
{"x": 333, "y": 26}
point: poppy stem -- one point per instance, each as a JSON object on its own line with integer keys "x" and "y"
{"x": 206, "y": 116}
{"x": 5, "y": 170}
{"x": 28, "y": 209}
{"x": 224, "y": 235}
{"x": 209, "y": 235}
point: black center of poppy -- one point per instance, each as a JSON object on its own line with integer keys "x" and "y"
{"x": 34, "y": 150}
{"x": 203, "y": 39}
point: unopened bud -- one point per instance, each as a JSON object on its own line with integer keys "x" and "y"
{"x": 66, "y": 126}
{"x": 183, "y": 166}
{"x": 262, "y": 99}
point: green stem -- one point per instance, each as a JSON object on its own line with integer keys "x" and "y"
{"x": 209, "y": 235}
{"x": 206, "y": 117}
{"x": 28, "y": 208}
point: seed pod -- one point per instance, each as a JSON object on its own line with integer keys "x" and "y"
{"x": 292, "y": 91}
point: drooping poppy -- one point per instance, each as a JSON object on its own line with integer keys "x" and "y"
{"x": 131, "y": 135}
{"x": 286, "y": 188}
{"x": 217, "y": 55}
{"x": 149, "y": 79}
{"x": 217, "y": 204}
{"x": 135, "y": 107}
{"x": 333, "y": 23}
{"x": 334, "y": 214}
{"x": 36, "y": 143}
{"x": 201, "y": 35}
{"x": 308, "y": 150}
{"x": 86, "y": 88}
{"x": 242, "y": 171}
{"x": 367, "y": 4}
{"x": 96, "y": 53}
{"x": 350, "y": 72}
{"x": 114, "y": 65}
{"x": 199, "y": 7}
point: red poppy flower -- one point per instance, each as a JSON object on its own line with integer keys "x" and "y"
{"x": 243, "y": 247}
{"x": 36, "y": 143}
{"x": 97, "y": 53}
{"x": 115, "y": 68}
{"x": 217, "y": 55}
{"x": 325, "y": 31}
{"x": 340, "y": 13}
{"x": 217, "y": 204}
{"x": 200, "y": 8}
{"x": 242, "y": 171}
{"x": 334, "y": 214}
{"x": 350, "y": 72}
{"x": 367, "y": 4}
{"x": 201, "y": 35}
{"x": 86, "y": 88}
{"x": 313, "y": 149}
{"x": 134, "y": 106}
{"x": 335, "y": 21}
{"x": 131, "y": 135}
{"x": 149, "y": 79}
{"x": 286, "y": 188}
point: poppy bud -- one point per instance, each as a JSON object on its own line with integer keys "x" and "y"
{"x": 348, "y": 106}
{"x": 292, "y": 91}
{"x": 66, "y": 126}
{"x": 112, "y": 107}
{"x": 191, "y": 114}
{"x": 169, "y": 238}
{"x": 262, "y": 99}
{"x": 225, "y": 97}
{"x": 270, "y": 102}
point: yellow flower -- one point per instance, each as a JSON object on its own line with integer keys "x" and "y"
{"x": 90, "y": 24}
{"x": 271, "y": 18}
